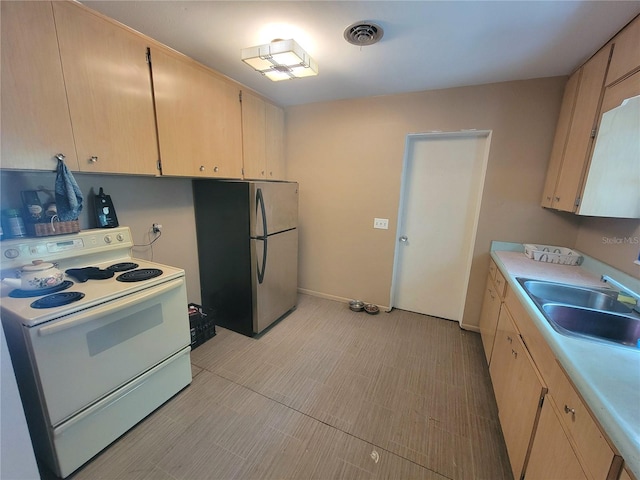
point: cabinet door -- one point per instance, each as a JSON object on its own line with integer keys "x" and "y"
{"x": 519, "y": 391}
{"x": 275, "y": 142}
{"x": 109, "y": 92}
{"x": 489, "y": 318}
{"x": 551, "y": 453}
{"x": 560, "y": 140}
{"x": 35, "y": 117}
{"x": 626, "y": 54}
{"x": 580, "y": 135}
{"x": 612, "y": 186}
{"x": 253, "y": 137}
{"x": 199, "y": 118}
{"x": 597, "y": 457}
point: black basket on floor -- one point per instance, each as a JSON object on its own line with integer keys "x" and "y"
{"x": 202, "y": 326}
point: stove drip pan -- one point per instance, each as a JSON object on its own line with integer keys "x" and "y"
{"x": 19, "y": 293}
{"x": 139, "y": 275}
{"x": 122, "y": 267}
{"x": 57, "y": 300}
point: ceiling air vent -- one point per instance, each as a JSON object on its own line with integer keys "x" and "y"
{"x": 363, "y": 33}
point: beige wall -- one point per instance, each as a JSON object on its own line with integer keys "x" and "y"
{"x": 613, "y": 241}
{"x": 347, "y": 156}
{"x": 139, "y": 202}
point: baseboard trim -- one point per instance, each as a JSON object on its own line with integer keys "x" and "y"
{"x": 471, "y": 328}
{"x": 333, "y": 297}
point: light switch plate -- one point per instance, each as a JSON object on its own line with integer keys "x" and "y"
{"x": 382, "y": 223}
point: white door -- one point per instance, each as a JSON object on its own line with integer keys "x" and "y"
{"x": 442, "y": 182}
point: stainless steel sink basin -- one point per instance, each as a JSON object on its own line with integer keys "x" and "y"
{"x": 599, "y": 299}
{"x": 585, "y": 312}
{"x": 612, "y": 327}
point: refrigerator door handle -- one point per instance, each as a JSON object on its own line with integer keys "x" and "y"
{"x": 260, "y": 201}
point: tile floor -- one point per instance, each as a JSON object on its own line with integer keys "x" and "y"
{"x": 325, "y": 394}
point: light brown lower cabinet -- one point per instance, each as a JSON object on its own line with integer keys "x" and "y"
{"x": 554, "y": 438}
{"x": 489, "y": 317}
{"x": 551, "y": 454}
{"x": 519, "y": 391}
{"x": 493, "y": 296}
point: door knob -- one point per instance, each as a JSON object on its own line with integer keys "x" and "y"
{"x": 404, "y": 239}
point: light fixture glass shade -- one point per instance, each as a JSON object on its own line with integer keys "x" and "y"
{"x": 280, "y": 60}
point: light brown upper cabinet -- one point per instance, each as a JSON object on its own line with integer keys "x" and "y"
{"x": 199, "y": 118}
{"x": 574, "y": 133}
{"x": 253, "y": 137}
{"x": 262, "y": 139}
{"x": 612, "y": 186}
{"x": 626, "y": 53}
{"x": 109, "y": 92}
{"x": 35, "y": 119}
{"x": 275, "y": 142}
{"x": 593, "y": 169}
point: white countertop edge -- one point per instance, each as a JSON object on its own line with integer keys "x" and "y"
{"x": 614, "y": 399}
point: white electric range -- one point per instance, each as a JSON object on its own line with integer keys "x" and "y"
{"x": 91, "y": 369}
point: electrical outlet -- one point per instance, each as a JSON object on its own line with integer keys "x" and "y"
{"x": 382, "y": 223}
{"x": 156, "y": 227}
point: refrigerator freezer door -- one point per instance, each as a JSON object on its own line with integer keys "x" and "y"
{"x": 277, "y": 293}
{"x": 280, "y": 202}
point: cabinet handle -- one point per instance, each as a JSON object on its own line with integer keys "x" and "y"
{"x": 514, "y": 353}
{"x": 549, "y": 198}
{"x": 215, "y": 169}
{"x": 60, "y": 156}
{"x": 509, "y": 339}
{"x": 492, "y": 296}
{"x": 271, "y": 174}
{"x": 93, "y": 159}
{"x": 572, "y": 411}
{"x": 557, "y": 199}
{"x": 202, "y": 168}
{"x": 262, "y": 173}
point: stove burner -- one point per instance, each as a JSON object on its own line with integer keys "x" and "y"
{"x": 122, "y": 267}
{"x": 139, "y": 275}
{"x": 19, "y": 293}
{"x": 57, "y": 300}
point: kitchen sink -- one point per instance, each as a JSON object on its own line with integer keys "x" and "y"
{"x": 585, "y": 312}
{"x": 596, "y": 298}
{"x": 608, "y": 326}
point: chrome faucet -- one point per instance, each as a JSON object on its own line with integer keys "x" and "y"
{"x": 631, "y": 293}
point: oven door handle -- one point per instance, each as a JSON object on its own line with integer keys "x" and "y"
{"x": 108, "y": 308}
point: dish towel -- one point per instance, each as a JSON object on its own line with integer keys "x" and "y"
{"x": 68, "y": 194}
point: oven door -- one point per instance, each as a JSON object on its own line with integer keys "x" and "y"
{"x": 83, "y": 357}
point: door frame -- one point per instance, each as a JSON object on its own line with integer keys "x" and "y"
{"x": 411, "y": 137}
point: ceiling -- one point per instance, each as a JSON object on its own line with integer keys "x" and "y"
{"x": 426, "y": 45}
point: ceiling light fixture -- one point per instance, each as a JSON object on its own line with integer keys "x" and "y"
{"x": 280, "y": 60}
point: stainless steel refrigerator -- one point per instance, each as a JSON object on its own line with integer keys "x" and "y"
{"x": 247, "y": 251}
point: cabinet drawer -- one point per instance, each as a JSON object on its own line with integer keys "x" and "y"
{"x": 538, "y": 348}
{"x": 592, "y": 448}
{"x": 493, "y": 268}
{"x": 501, "y": 284}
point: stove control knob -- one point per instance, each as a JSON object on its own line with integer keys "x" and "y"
{"x": 107, "y": 239}
{"x": 11, "y": 253}
{"x": 120, "y": 237}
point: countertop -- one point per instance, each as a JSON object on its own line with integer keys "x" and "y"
{"x": 607, "y": 376}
